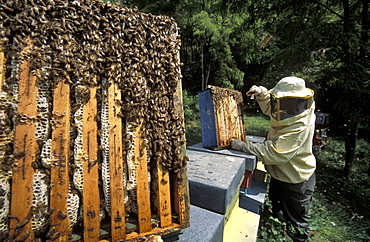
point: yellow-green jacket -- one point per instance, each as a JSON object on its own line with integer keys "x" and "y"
{"x": 287, "y": 152}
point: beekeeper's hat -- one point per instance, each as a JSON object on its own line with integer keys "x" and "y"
{"x": 291, "y": 87}
{"x": 289, "y": 98}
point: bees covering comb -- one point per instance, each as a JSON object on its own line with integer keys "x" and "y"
{"x": 77, "y": 52}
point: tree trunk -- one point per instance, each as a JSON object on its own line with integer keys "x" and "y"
{"x": 365, "y": 28}
{"x": 350, "y": 145}
{"x": 202, "y": 67}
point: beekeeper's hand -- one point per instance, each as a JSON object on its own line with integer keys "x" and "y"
{"x": 237, "y": 144}
{"x": 246, "y": 146}
{"x": 258, "y": 91}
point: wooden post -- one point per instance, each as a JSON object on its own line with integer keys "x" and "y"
{"x": 164, "y": 195}
{"x": 59, "y": 180}
{"x": 220, "y": 124}
{"x": 142, "y": 189}
{"x": 91, "y": 196}
{"x": 181, "y": 187}
{"x": 117, "y": 191}
{"x": 2, "y": 62}
{"x": 25, "y": 152}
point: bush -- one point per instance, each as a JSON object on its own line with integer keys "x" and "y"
{"x": 192, "y": 119}
{"x": 256, "y": 125}
{"x": 190, "y": 105}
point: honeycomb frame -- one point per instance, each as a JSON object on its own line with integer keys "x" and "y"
{"x": 74, "y": 53}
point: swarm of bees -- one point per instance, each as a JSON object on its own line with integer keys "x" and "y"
{"x": 89, "y": 43}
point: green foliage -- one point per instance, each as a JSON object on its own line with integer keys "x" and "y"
{"x": 256, "y": 125}
{"x": 210, "y": 41}
{"x": 190, "y": 105}
{"x": 192, "y": 123}
{"x": 333, "y": 222}
{"x": 240, "y": 43}
{"x": 193, "y": 132}
{"x": 362, "y": 155}
{"x": 349, "y": 195}
{"x": 354, "y": 190}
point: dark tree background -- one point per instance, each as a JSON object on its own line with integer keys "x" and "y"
{"x": 236, "y": 44}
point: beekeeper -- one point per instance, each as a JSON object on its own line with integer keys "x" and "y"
{"x": 287, "y": 152}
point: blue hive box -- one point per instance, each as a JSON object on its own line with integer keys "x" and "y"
{"x": 221, "y": 116}
{"x": 253, "y": 198}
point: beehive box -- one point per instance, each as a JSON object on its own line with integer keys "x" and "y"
{"x": 92, "y": 140}
{"x": 221, "y": 116}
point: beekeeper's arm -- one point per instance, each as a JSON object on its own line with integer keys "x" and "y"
{"x": 263, "y": 98}
{"x": 270, "y": 152}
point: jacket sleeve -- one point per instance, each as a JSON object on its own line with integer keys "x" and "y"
{"x": 264, "y": 102}
{"x": 270, "y": 152}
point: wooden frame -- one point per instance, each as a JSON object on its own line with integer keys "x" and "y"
{"x": 173, "y": 194}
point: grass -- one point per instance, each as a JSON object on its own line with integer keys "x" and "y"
{"x": 256, "y": 125}
{"x": 193, "y": 132}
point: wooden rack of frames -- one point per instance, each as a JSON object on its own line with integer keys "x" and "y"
{"x": 92, "y": 148}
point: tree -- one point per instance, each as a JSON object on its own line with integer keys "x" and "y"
{"x": 207, "y": 38}
{"x": 238, "y": 43}
{"x": 327, "y": 42}
{"x": 352, "y": 63}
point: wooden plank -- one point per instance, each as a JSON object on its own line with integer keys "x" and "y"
{"x": 230, "y": 125}
{"x": 117, "y": 191}
{"x": 218, "y": 125}
{"x": 236, "y": 118}
{"x": 223, "y": 128}
{"x": 60, "y": 170}
{"x": 143, "y": 188}
{"x": 164, "y": 195}
{"x": 180, "y": 184}
{"x": 25, "y": 152}
{"x": 155, "y": 231}
{"x": 91, "y": 196}
{"x": 2, "y": 62}
{"x": 241, "y": 121}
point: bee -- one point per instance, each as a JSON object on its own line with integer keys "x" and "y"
{"x": 52, "y": 235}
{"x": 23, "y": 237}
{"x": 62, "y": 215}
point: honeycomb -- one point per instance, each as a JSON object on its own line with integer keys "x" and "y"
{"x": 6, "y": 137}
{"x": 88, "y": 43}
{"x": 5, "y": 203}
{"x": 73, "y": 203}
{"x": 228, "y": 105}
{"x": 5, "y": 123}
{"x": 43, "y": 120}
{"x": 46, "y": 158}
{"x": 79, "y": 153}
{"x": 105, "y": 147}
{"x": 40, "y": 200}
